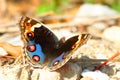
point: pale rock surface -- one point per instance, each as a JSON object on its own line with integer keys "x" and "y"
{"x": 93, "y": 10}
{"x": 112, "y": 34}
{"x": 95, "y": 75}
{"x": 2, "y": 52}
{"x": 2, "y": 76}
{"x": 118, "y": 74}
{"x": 70, "y": 71}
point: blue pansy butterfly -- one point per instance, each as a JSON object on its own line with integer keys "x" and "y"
{"x": 42, "y": 48}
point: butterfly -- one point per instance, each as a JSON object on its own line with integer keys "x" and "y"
{"x": 43, "y": 48}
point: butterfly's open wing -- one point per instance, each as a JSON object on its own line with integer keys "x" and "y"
{"x": 67, "y": 49}
{"x": 38, "y": 40}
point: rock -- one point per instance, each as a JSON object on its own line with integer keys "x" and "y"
{"x": 14, "y": 40}
{"x": 99, "y": 25}
{"x": 97, "y": 28}
{"x": 118, "y": 74}
{"x": 112, "y": 34}
{"x": 25, "y": 73}
{"x": 9, "y": 72}
{"x": 2, "y": 76}
{"x": 95, "y": 75}
{"x": 70, "y": 71}
{"x": 12, "y": 50}
{"x": 93, "y": 10}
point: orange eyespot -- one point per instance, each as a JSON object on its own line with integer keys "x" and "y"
{"x": 30, "y": 35}
{"x": 31, "y": 48}
{"x": 36, "y": 58}
{"x": 56, "y": 63}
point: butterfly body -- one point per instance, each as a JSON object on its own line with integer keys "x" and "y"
{"x": 42, "y": 47}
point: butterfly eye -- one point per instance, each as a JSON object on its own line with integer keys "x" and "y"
{"x": 27, "y": 24}
{"x": 30, "y": 35}
{"x": 31, "y": 48}
{"x": 56, "y": 63}
{"x": 36, "y": 58}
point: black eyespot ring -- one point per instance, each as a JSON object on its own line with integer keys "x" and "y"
{"x": 31, "y": 48}
{"x": 36, "y": 58}
{"x": 30, "y": 35}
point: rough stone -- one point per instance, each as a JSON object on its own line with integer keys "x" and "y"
{"x": 112, "y": 34}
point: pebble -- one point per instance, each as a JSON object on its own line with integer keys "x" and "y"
{"x": 14, "y": 40}
{"x": 99, "y": 25}
{"x": 97, "y": 28}
{"x": 2, "y": 76}
{"x": 88, "y": 10}
{"x": 118, "y": 74}
{"x": 92, "y": 10}
{"x": 112, "y": 34}
{"x": 2, "y": 52}
{"x": 70, "y": 71}
{"x": 95, "y": 75}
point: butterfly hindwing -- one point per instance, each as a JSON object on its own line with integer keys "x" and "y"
{"x": 67, "y": 49}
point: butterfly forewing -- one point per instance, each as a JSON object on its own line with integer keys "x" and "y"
{"x": 38, "y": 40}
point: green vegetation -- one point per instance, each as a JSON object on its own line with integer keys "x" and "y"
{"x": 116, "y": 5}
{"x": 53, "y": 5}
{"x": 58, "y": 5}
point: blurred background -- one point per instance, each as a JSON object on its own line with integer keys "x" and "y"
{"x": 84, "y": 12}
{"x": 92, "y": 16}
{"x": 100, "y": 18}
{"x": 11, "y": 9}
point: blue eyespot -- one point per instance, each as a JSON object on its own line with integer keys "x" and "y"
{"x": 36, "y": 58}
{"x": 56, "y": 63}
{"x": 31, "y": 48}
{"x": 58, "y": 60}
{"x": 35, "y": 52}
